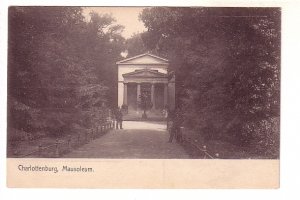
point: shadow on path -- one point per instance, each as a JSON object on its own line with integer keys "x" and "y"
{"x": 145, "y": 140}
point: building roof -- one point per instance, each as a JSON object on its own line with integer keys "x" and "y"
{"x": 145, "y": 58}
{"x": 145, "y": 73}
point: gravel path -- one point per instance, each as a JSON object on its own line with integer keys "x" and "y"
{"x": 145, "y": 140}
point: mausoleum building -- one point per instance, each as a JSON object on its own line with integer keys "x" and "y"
{"x": 145, "y": 73}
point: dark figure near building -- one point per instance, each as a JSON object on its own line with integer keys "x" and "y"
{"x": 119, "y": 119}
{"x": 174, "y": 127}
{"x": 166, "y": 113}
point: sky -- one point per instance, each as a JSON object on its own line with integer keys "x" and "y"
{"x": 126, "y": 16}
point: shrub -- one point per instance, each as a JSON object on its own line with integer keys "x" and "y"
{"x": 264, "y": 137}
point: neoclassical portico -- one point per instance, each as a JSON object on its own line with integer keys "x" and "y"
{"x": 145, "y": 73}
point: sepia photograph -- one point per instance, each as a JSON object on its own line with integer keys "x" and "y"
{"x": 167, "y": 83}
{"x": 133, "y": 82}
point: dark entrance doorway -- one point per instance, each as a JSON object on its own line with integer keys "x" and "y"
{"x": 132, "y": 96}
{"x": 159, "y": 96}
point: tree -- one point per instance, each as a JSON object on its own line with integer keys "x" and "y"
{"x": 145, "y": 102}
{"x": 135, "y": 45}
{"x": 226, "y": 62}
{"x": 59, "y": 68}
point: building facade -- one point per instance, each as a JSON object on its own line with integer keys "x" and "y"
{"x": 145, "y": 73}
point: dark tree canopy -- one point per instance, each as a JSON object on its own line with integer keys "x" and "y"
{"x": 135, "y": 45}
{"x": 227, "y": 65}
{"x": 60, "y": 68}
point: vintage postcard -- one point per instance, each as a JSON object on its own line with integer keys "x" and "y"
{"x": 143, "y": 97}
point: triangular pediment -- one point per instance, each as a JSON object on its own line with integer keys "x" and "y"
{"x": 145, "y": 73}
{"x": 146, "y": 58}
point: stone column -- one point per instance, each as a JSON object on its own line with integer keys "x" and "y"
{"x": 153, "y": 95}
{"x": 125, "y": 94}
{"x": 165, "y": 94}
{"x": 138, "y": 93}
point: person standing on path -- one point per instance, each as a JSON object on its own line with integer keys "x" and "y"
{"x": 171, "y": 131}
{"x": 174, "y": 127}
{"x": 119, "y": 118}
{"x": 166, "y": 115}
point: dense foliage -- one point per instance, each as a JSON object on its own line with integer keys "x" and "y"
{"x": 60, "y": 69}
{"x": 135, "y": 45}
{"x": 145, "y": 102}
{"x": 227, "y": 66}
